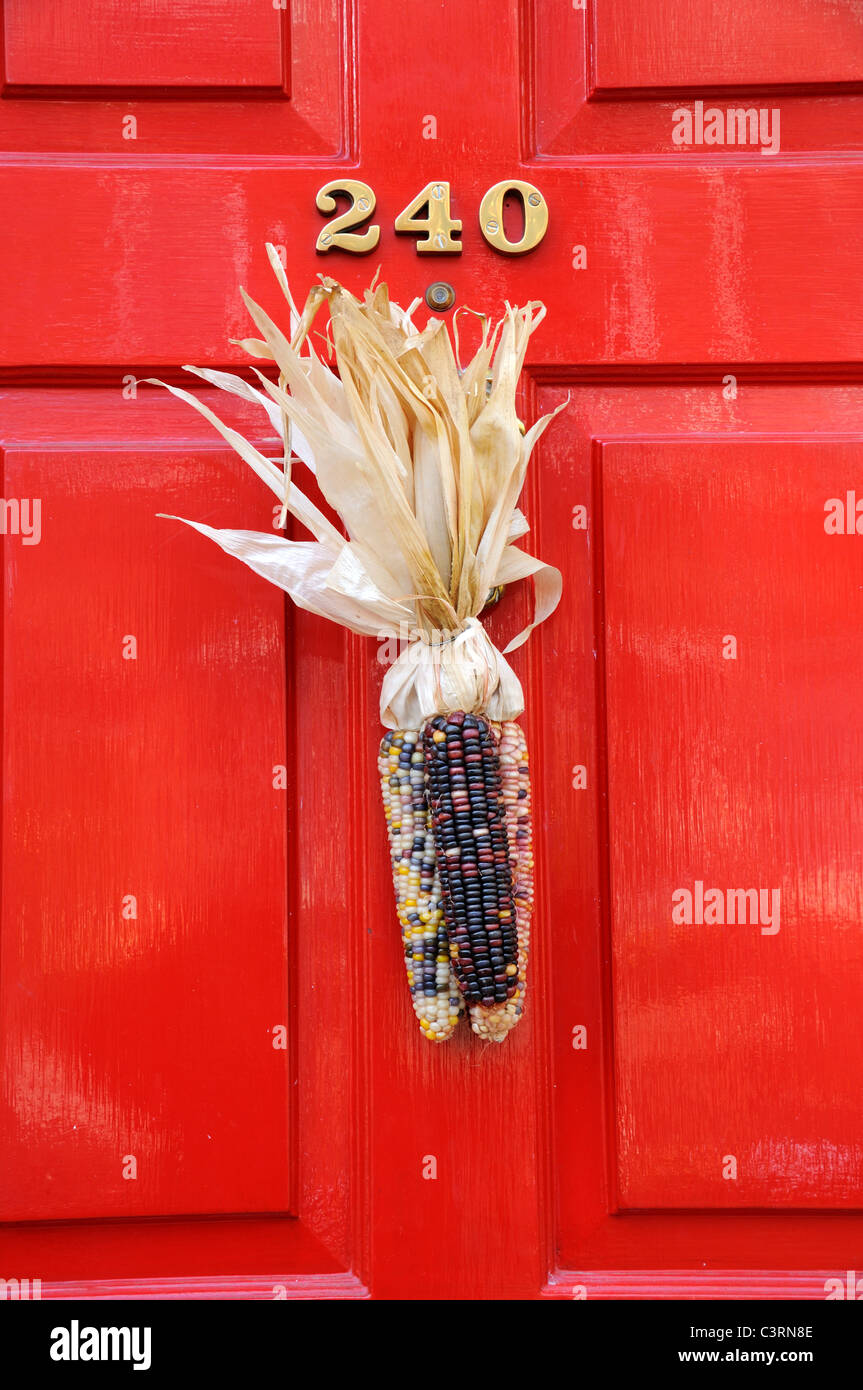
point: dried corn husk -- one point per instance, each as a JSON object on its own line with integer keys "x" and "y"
{"x": 424, "y": 468}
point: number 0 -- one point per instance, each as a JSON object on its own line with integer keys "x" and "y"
{"x": 535, "y": 216}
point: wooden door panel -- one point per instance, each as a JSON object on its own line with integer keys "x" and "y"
{"x": 214, "y": 79}
{"x": 734, "y": 770}
{"x": 686, "y": 45}
{"x": 155, "y": 1036}
{"x": 144, "y": 842}
{"x": 130, "y": 43}
{"x": 776, "y": 1059}
{"x": 607, "y": 79}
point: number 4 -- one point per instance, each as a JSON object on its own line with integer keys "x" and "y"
{"x": 437, "y": 227}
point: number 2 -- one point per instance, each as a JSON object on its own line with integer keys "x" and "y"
{"x": 337, "y": 234}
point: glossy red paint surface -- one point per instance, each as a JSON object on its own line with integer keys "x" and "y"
{"x": 130, "y": 43}
{"x": 263, "y": 1170}
{"x": 734, "y": 765}
{"x": 681, "y": 46}
{"x": 149, "y": 770}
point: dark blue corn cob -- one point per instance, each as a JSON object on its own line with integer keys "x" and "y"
{"x": 467, "y": 810}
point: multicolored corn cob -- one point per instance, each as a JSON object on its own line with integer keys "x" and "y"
{"x": 436, "y": 1000}
{"x": 463, "y": 786}
{"x": 457, "y": 804}
{"x": 494, "y": 1023}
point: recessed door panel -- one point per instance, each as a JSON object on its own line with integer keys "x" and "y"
{"x": 733, "y": 625}
{"x": 688, "y": 44}
{"x": 144, "y": 950}
{"x": 132, "y": 43}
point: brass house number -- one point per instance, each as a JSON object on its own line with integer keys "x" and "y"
{"x": 428, "y": 218}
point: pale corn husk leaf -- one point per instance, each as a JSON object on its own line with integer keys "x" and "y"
{"x": 548, "y": 582}
{"x": 254, "y": 347}
{"x": 372, "y": 469}
{"x": 303, "y": 570}
{"x": 238, "y": 386}
{"x": 296, "y": 502}
{"x": 371, "y": 502}
{"x": 433, "y": 510}
{"x": 279, "y": 272}
{"x": 496, "y": 531}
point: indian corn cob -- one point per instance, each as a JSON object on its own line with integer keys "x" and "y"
{"x": 495, "y": 1022}
{"x": 436, "y": 1000}
{"x": 457, "y": 804}
{"x": 468, "y": 822}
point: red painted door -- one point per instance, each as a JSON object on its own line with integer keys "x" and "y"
{"x": 213, "y": 1084}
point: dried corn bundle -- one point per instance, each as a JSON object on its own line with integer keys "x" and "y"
{"x": 423, "y": 459}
